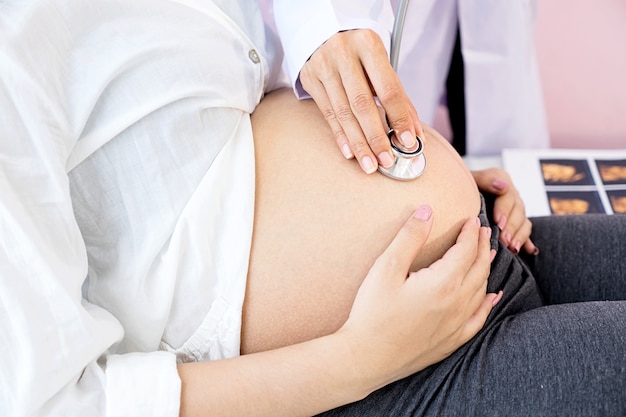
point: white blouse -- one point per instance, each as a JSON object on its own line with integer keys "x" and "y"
{"x": 126, "y": 197}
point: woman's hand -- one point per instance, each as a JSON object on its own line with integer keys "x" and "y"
{"x": 399, "y": 324}
{"x": 343, "y": 76}
{"x": 509, "y": 211}
{"x": 402, "y": 322}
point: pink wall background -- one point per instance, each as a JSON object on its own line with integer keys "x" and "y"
{"x": 581, "y": 49}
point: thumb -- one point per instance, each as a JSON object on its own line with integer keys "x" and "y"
{"x": 396, "y": 260}
{"x": 492, "y": 180}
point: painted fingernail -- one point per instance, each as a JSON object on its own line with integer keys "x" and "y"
{"x": 385, "y": 159}
{"x": 346, "y": 151}
{"x": 408, "y": 140}
{"x": 368, "y": 165}
{"x": 506, "y": 236}
{"x": 502, "y": 222}
{"x": 499, "y": 184}
{"x": 423, "y": 212}
{"x": 496, "y": 300}
{"x": 516, "y": 246}
{"x": 535, "y": 251}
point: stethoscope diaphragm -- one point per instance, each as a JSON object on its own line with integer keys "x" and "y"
{"x": 408, "y": 165}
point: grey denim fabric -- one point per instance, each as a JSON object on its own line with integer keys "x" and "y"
{"x": 553, "y": 346}
{"x": 582, "y": 258}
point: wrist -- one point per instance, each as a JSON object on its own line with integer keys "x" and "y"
{"x": 367, "y": 368}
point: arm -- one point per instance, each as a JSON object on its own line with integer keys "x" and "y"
{"x": 382, "y": 341}
{"x": 53, "y": 352}
{"x": 345, "y": 71}
{"x": 53, "y": 342}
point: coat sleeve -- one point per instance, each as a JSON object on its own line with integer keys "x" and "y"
{"x": 305, "y": 25}
{"x": 54, "y": 344}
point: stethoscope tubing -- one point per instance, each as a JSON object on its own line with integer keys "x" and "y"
{"x": 408, "y": 164}
{"x": 396, "y": 34}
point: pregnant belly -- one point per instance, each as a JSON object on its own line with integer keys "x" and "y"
{"x": 320, "y": 222}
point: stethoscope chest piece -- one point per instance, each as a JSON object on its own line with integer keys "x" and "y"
{"x": 408, "y": 165}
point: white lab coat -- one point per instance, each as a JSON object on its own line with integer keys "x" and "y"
{"x": 504, "y": 103}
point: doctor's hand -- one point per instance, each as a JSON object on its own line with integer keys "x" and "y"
{"x": 343, "y": 76}
{"x": 509, "y": 211}
{"x": 401, "y": 321}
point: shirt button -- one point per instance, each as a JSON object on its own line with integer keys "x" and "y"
{"x": 254, "y": 56}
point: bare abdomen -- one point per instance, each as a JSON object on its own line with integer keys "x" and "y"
{"x": 320, "y": 222}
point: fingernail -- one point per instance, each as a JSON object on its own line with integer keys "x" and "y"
{"x": 535, "y": 251}
{"x": 368, "y": 165}
{"x": 499, "y": 184}
{"x": 385, "y": 159}
{"x": 516, "y": 246}
{"x": 423, "y": 212}
{"x": 502, "y": 222}
{"x": 506, "y": 236}
{"x": 346, "y": 151}
{"x": 477, "y": 221}
{"x": 408, "y": 140}
{"x": 497, "y": 299}
{"x": 493, "y": 254}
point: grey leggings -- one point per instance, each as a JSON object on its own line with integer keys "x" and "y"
{"x": 554, "y": 346}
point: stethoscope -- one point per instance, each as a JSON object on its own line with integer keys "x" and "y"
{"x": 408, "y": 164}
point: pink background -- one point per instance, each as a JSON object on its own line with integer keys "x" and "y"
{"x": 581, "y": 48}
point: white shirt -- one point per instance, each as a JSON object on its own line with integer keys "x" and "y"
{"x": 140, "y": 112}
